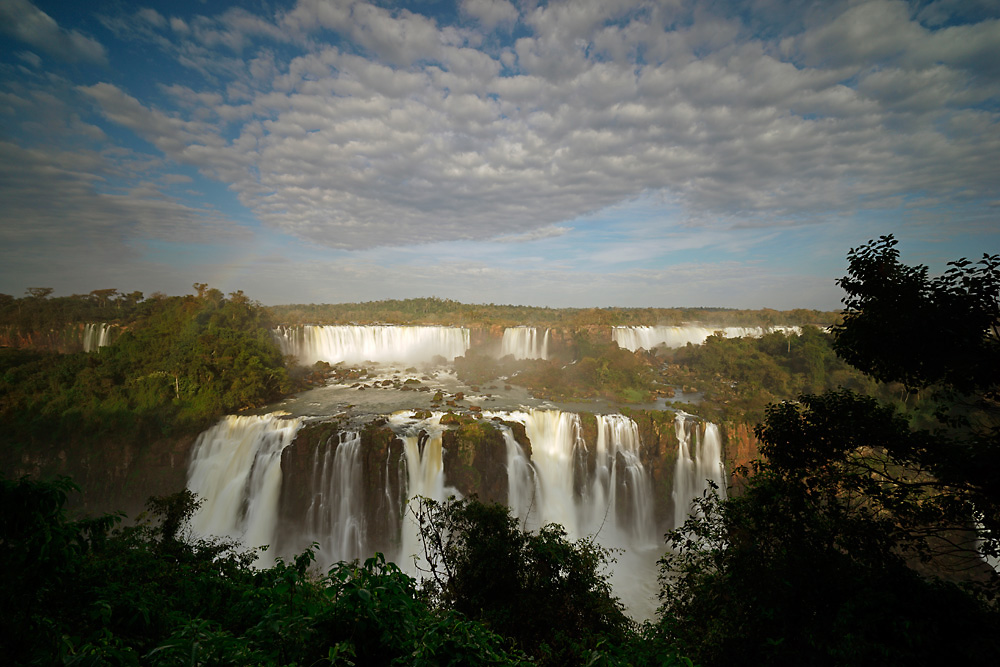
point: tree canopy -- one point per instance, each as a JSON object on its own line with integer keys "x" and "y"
{"x": 858, "y": 537}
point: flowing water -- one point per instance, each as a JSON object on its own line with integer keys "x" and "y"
{"x": 525, "y": 343}
{"x": 647, "y": 338}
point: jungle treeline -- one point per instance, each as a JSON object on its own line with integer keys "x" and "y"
{"x": 445, "y": 311}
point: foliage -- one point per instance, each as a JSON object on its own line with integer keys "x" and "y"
{"x": 549, "y": 596}
{"x": 897, "y": 319}
{"x": 601, "y": 370}
{"x": 82, "y": 592}
{"x": 181, "y": 362}
{"x": 517, "y": 582}
{"x": 739, "y": 377}
{"x": 844, "y": 544}
{"x": 785, "y": 575}
{"x": 39, "y": 311}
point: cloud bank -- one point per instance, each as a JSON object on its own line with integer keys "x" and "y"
{"x": 353, "y": 125}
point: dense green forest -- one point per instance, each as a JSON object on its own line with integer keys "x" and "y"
{"x": 180, "y": 363}
{"x": 855, "y": 539}
{"x": 740, "y": 377}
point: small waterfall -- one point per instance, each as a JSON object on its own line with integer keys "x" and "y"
{"x": 96, "y": 335}
{"x": 377, "y": 343}
{"x": 521, "y": 489}
{"x": 525, "y": 343}
{"x": 236, "y": 468}
{"x": 626, "y": 482}
{"x": 634, "y": 338}
{"x": 697, "y": 462}
{"x": 336, "y": 516}
{"x": 557, "y": 452}
{"x": 424, "y": 455}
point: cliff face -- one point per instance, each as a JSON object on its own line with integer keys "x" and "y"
{"x": 740, "y": 447}
{"x": 382, "y": 472}
{"x": 64, "y": 340}
{"x": 115, "y": 475}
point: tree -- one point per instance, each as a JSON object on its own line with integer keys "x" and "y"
{"x": 939, "y": 334}
{"x": 845, "y": 543}
{"x": 102, "y": 295}
{"x": 38, "y": 292}
{"x": 547, "y": 594}
{"x": 900, "y": 325}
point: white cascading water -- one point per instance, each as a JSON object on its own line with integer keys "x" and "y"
{"x": 623, "y": 479}
{"x": 525, "y": 343}
{"x": 236, "y": 469}
{"x": 424, "y": 455}
{"x": 647, "y": 338}
{"x": 562, "y": 493}
{"x": 377, "y": 343}
{"x": 614, "y": 504}
{"x": 335, "y": 518}
{"x": 96, "y": 335}
{"x": 556, "y": 445}
{"x": 697, "y": 463}
{"x": 521, "y": 489}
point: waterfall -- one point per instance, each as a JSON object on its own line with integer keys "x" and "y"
{"x": 424, "y": 457}
{"x": 96, "y": 336}
{"x": 377, "y": 343}
{"x": 525, "y": 343}
{"x": 697, "y": 462}
{"x": 625, "y": 481}
{"x": 598, "y": 489}
{"x": 604, "y": 491}
{"x": 520, "y": 476}
{"x": 336, "y": 517}
{"x": 557, "y": 452}
{"x": 634, "y": 338}
{"x": 236, "y": 469}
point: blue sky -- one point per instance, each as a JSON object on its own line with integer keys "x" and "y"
{"x": 585, "y": 153}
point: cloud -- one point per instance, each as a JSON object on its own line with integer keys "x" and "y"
{"x": 490, "y": 13}
{"x": 355, "y": 126}
{"x": 535, "y": 235}
{"x": 23, "y": 21}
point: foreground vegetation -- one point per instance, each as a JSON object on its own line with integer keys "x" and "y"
{"x": 89, "y": 593}
{"x": 858, "y": 537}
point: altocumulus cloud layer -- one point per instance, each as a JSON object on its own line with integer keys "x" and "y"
{"x": 358, "y": 125}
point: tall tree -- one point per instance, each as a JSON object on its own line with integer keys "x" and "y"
{"x": 842, "y": 547}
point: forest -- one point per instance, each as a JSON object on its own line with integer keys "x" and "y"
{"x": 856, "y": 537}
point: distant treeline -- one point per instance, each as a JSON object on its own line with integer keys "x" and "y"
{"x": 38, "y": 310}
{"x": 445, "y": 311}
